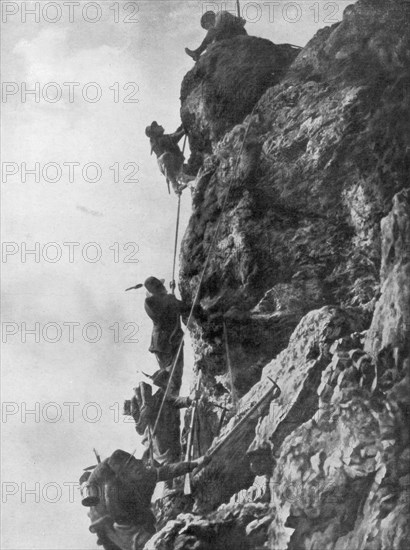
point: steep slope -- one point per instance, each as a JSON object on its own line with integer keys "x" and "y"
{"x": 310, "y": 271}
{"x": 324, "y": 154}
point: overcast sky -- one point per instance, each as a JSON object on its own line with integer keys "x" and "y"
{"x": 146, "y": 56}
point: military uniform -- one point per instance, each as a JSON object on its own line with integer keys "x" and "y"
{"x": 169, "y": 156}
{"x": 166, "y": 444}
{"x": 125, "y": 488}
{"x": 226, "y": 26}
{"x": 165, "y": 312}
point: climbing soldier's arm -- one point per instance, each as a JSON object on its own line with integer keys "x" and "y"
{"x": 185, "y": 309}
{"x": 176, "y": 136}
{"x": 180, "y": 402}
{"x": 153, "y": 308}
{"x": 169, "y": 471}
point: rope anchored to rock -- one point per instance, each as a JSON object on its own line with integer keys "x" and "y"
{"x": 173, "y": 284}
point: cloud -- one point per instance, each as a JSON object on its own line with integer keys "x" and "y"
{"x": 48, "y": 57}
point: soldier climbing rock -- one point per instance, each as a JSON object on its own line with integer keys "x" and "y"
{"x": 220, "y": 26}
{"x": 165, "y": 443}
{"x": 169, "y": 156}
{"x": 165, "y": 311}
{"x": 119, "y": 492}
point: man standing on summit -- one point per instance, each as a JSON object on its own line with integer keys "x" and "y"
{"x": 220, "y": 26}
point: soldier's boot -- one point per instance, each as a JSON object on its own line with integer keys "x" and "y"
{"x": 192, "y": 53}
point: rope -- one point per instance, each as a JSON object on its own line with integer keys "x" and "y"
{"x": 173, "y": 285}
{"x": 198, "y": 434}
{"x": 151, "y": 448}
{"x": 211, "y": 247}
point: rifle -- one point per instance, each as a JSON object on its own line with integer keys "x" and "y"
{"x": 238, "y": 7}
{"x": 188, "y": 456}
{"x": 151, "y": 449}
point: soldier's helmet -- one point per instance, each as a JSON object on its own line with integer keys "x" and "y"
{"x": 208, "y": 20}
{"x": 153, "y": 284}
{"x": 154, "y": 130}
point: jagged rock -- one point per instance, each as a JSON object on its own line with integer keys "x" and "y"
{"x": 336, "y": 482}
{"x": 226, "y": 83}
{"x": 301, "y": 225}
{"x": 390, "y": 328}
{"x": 341, "y": 479}
{"x": 297, "y": 370}
{"x": 232, "y": 527}
{"x": 368, "y": 43}
{"x": 332, "y": 477}
{"x": 317, "y": 214}
{"x": 341, "y": 475}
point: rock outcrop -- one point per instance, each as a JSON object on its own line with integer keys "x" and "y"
{"x": 302, "y": 203}
{"x": 225, "y": 85}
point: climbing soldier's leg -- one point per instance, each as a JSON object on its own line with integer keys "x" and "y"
{"x": 163, "y": 168}
{"x": 172, "y": 168}
{"x": 177, "y": 377}
{"x": 161, "y": 164}
{"x": 176, "y": 186}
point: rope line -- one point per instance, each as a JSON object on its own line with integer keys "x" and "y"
{"x": 211, "y": 247}
{"x": 183, "y": 147}
{"x": 151, "y": 447}
{"x": 173, "y": 285}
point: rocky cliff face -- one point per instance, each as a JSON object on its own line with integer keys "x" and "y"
{"x": 304, "y": 187}
{"x": 215, "y": 95}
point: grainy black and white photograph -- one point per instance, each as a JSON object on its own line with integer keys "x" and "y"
{"x": 205, "y": 275}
